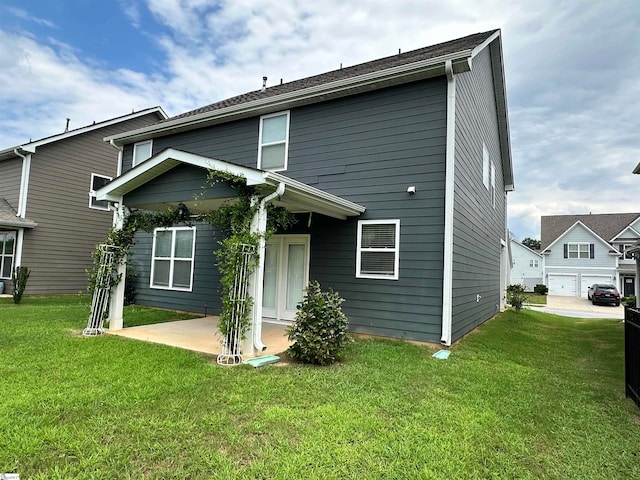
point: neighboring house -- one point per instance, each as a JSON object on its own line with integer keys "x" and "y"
{"x": 50, "y": 220}
{"x": 580, "y": 250}
{"x": 526, "y": 266}
{"x": 397, "y": 170}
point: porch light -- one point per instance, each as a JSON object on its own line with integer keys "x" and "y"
{"x": 183, "y": 212}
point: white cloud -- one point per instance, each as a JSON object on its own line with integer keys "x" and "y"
{"x": 24, "y": 15}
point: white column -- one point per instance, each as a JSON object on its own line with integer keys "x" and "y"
{"x": 253, "y": 343}
{"x": 116, "y": 302}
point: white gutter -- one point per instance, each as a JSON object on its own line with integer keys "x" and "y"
{"x": 119, "y": 148}
{"x": 447, "y": 274}
{"x": 24, "y": 182}
{"x": 258, "y": 290}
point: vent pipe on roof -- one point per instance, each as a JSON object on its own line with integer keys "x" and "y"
{"x": 66, "y": 128}
{"x": 264, "y": 84}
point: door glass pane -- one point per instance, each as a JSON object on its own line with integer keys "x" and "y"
{"x": 295, "y": 275}
{"x": 270, "y": 275}
{"x": 163, "y": 243}
{"x": 184, "y": 243}
{"x": 272, "y": 156}
{"x": 6, "y": 267}
{"x": 182, "y": 273}
{"x": 161, "y": 273}
{"x": 274, "y": 129}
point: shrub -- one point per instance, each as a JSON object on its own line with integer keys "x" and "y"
{"x": 541, "y": 289}
{"x": 19, "y": 277}
{"x": 629, "y": 301}
{"x": 320, "y": 329}
{"x": 516, "y": 296}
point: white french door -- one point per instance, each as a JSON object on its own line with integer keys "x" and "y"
{"x": 286, "y": 274}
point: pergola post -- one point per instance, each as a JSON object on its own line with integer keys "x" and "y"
{"x": 116, "y": 300}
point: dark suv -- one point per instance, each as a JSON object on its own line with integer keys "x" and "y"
{"x": 603, "y": 293}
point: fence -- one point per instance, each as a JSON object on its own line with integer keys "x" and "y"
{"x": 632, "y": 353}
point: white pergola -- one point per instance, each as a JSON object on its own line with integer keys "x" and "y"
{"x": 272, "y": 187}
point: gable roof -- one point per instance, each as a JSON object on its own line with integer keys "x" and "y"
{"x": 605, "y": 225}
{"x": 612, "y": 251}
{"x": 402, "y": 68}
{"x": 526, "y": 248}
{"x": 31, "y": 145}
{"x": 8, "y": 217}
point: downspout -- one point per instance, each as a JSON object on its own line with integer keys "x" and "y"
{"x": 447, "y": 274}
{"x": 24, "y": 183}
{"x": 119, "y": 148}
{"x": 259, "y": 275}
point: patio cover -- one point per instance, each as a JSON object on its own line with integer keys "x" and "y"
{"x": 297, "y": 197}
{"x": 9, "y": 219}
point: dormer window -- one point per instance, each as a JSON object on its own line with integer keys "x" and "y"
{"x": 141, "y": 151}
{"x": 273, "y": 144}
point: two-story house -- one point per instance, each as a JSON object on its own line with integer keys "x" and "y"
{"x": 580, "y": 250}
{"x": 50, "y": 220}
{"x": 397, "y": 170}
{"x": 526, "y": 266}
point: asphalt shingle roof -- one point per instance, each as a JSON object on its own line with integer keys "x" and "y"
{"x": 8, "y": 216}
{"x": 465, "y": 43}
{"x": 605, "y": 225}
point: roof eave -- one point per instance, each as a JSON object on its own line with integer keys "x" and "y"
{"x": 429, "y": 68}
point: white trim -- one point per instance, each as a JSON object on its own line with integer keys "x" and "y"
{"x": 24, "y": 185}
{"x": 17, "y": 260}
{"x": 484, "y": 44}
{"x": 575, "y": 282}
{"x": 92, "y": 192}
{"x": 136, "y": 146}
{"x": 172, "y": 259}
{"x": 261, "y": 145}
{"x": 578, "y": 222}
{"x": 628, "y": 227}
{"x": 449, "y": 196}
{"x": 486, "y": 169}
{"x": 578, "y": 250}
{"x": 395, "y": 250}
{"x": 580, "y": 268}
{"x": 4, "y": 254}
{"x": 493, "y": 184}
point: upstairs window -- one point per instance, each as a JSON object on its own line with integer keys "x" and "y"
{"x": 378, "y": 249}
{"x": 273, "y": 144}
{"x": 493, "y": 185}
{"x": 97, "y": 182}
{"x": 172, "y": 260}
{"x": 579, "y": 250}
{"x": 7, "y": 248}
{"x": 534, "y": 263}
{"x": 141, "y": 151}
{"x": 485, "y": 166}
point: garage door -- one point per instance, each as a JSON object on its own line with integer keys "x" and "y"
{"x": 587, "y": 280}
{"x": 563, "y": 285}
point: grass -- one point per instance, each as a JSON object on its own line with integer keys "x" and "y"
{"x": 536, "y": 299}
{"x": 526, "y": 396}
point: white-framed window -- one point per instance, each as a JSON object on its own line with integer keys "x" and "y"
{"x": 141, "y": 151}
{"x": 493, "y": 185}
{"x": 578, "y": 250}
{"x": 378, "y": 250}
{"x": 7, "y": 252}
{"x": 485, "y": 166}
{"x": 97, "y": 182}
{"x": 622, "y": 248}
{"x": 273, "y": 142}
{"x": 534, "y": 263}
{"x": 172, "y": 258}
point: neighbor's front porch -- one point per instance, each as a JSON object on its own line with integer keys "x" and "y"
{"x": 201, "y": 335}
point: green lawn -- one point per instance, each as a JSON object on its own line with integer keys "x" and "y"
{"x": 536, "y": 299}
{"x": 526, "y": 396}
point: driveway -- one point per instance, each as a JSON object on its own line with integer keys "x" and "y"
{"x": 579, "y": 307}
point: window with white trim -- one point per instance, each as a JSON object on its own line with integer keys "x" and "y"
{"x": 485, "y": 166}
{"x": 7, "y": 253}
{"x": 534, "y": 263}
{"x": 273, "y": 142}
{"x": 493, "y": 185}
{"x": 578, "y": 250}
{"x": 141, "y": 151}
{"x": 172, "y": 258}
{"x": 378, "y": 249}
{"x": 97, "y": 182}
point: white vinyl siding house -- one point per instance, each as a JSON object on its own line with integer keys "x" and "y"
{"x": 526, "y": 266}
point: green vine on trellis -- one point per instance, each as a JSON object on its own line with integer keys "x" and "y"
{"x": 232, "y": 219}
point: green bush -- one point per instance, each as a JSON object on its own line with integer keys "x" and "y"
{"x": 541, "y": 289}
{"x": 516, "y": 296}
{"x": 320, "y": 329}
{"x": 629, "y": 301}
{"x": 19, "y": 278}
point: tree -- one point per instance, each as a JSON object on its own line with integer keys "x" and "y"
{"x": 532, "y": 243}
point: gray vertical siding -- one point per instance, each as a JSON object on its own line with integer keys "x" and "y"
{"x": 59, "y": 249}
{"x": 478, "y": 227}
{"x": 10, "y": 176}
{"x": 368, "y": 149}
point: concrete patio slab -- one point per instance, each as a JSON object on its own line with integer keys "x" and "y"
{"x": 201, "y": 335}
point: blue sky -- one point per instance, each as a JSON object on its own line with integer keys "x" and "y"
{"x": 571, "y": 67}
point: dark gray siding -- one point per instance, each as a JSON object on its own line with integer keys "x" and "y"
{"x": 368, "y": 149}
{"x": 59, "y": 249}
{"x": 478, "y": 227}
{"x": 10, "y": 175}
{"x": 204, "y": 297}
